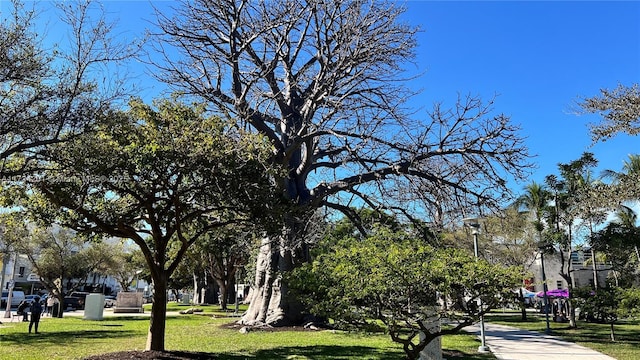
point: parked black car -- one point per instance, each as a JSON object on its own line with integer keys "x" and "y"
{"x": 75, "y": 300}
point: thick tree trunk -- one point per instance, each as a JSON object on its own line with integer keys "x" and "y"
{"x": 157, "y": 324}
{"x": 269, "y": 303}
{"x": 523, "y": 306}
{"x": 195, "y": 297}
{"x": 224, "y": 294}
{"x": 572, "y": 310}
{"x": 60, "y": 307}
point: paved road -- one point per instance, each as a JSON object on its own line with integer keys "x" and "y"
{"x": 509, "y": 343}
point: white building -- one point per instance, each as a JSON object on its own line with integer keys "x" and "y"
{"x": 581, "y": 274}
{"x": 19, "y": 270}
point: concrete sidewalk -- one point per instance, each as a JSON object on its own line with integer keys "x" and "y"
{"x": 509, "y": 343}
{"x": 108, "y": 313}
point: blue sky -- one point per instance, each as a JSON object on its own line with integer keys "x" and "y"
{"x": 537, "y": 57}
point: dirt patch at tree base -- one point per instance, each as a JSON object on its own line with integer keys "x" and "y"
{"x": 186, "y": 355}
{"x": 154, "y": 355}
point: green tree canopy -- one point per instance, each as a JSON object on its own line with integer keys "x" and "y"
{"x": 399, "y": 280}
{"x": 161, "y": 176}
{"x": 61, "y": 257}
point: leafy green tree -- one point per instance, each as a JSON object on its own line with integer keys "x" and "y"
{"x": 514, "y": 242}
{"x": 602, "y": 305}
{"x": 160, "y": 176}
{"x": 619, "y": 241}
{"x": 126, "y": 262}
{"x": 396, "y": 279}
{"x": 630, "y": 302}
{"x": 60, "y": 257}
{"x": 323, "y": 81}
{"x": 573, "y": 200}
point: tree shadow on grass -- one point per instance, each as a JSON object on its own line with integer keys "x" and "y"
{"x": 64, "y": 337}
{"x": 317, "y": 352}
{"x": 321, "y": 352}
{"x": 459, "y": 355}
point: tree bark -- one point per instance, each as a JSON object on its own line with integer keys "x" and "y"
{"x": 157, "y": 324}
{"x": 269, "y": 303}
{"x": 595, "y": 269}
{"x": 613, "y": 333}
{"x": 224, "y": 294}
{"x": 59, "y": 313}
{"x": 196, "y": 288}
{"x": 523, "y": 306}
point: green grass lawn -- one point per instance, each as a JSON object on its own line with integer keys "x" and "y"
{"x": 75, "y": 338}
{"x": 594, "y": 336}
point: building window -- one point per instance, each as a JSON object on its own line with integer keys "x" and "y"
{"x": 21, "y": 271}
{"x": 559, "y": 284}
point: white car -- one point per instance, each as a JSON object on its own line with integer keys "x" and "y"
{"x": 109, "y": 301}
{"x": 16, "y": 298}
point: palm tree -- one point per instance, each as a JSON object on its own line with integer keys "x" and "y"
{"x": 590, "y": 212}
{"x": 629, "y": 167}
{"x": 567, "y": 208}
{"x": 616, "y": 239}
{"x": 626, "y": 217}
{"x": 625, "y": 185}
{"x": 534, "y": 201}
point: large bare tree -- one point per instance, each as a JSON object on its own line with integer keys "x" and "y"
{"x": 324, "y": 82}
{"x": 619, "y": 109}
{"x": 50, "y": 94}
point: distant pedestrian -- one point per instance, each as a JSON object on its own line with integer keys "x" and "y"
{"x": 51, "y": 300}
{"x": 22, "y": 310}
{"x": 36, "y": 311}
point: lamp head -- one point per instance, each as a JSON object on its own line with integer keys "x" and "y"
{"x": 472, "y": 223}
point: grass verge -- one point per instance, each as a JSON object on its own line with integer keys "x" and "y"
{"x": 75, "y": 338}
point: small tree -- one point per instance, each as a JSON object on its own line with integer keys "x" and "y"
{"x": 61, "y": 257}
{"x": 224, "y": 253}
{"x": 514, "y": 243}
{"x": 126, "y": 262}
{"x": 602, "y": 305}
{"x": 161, "y": 176}
{"x": 396, "y": 279}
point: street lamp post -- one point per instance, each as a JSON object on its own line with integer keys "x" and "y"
{"x": 474, "y": 225}
{"x": 545, "y": 296}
